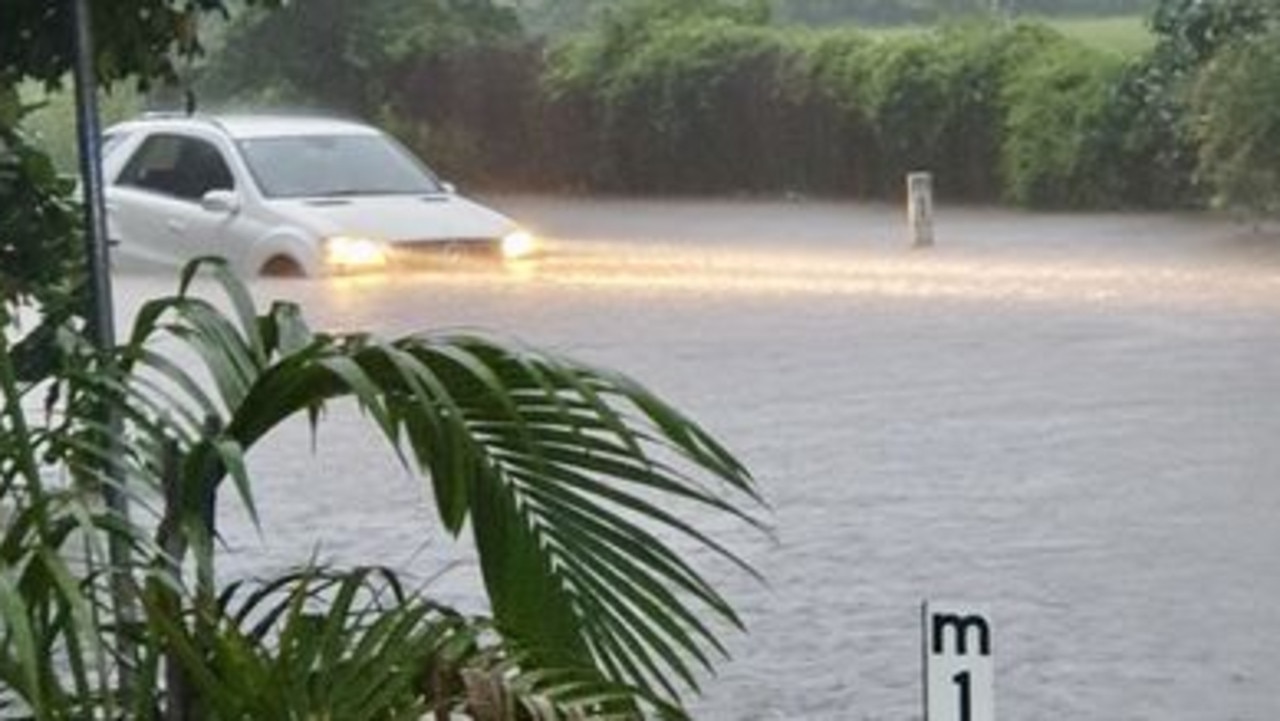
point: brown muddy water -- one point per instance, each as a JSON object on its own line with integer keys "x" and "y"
{"x": 1073, "y": 420}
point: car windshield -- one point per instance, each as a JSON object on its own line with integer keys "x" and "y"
{"x": 329, "y": 165}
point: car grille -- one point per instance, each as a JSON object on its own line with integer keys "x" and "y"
{"x": 447, "y": 249}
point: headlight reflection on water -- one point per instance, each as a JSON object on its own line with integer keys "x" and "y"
{"x": 898, "y": 274}
{"x": 726, "y": 271}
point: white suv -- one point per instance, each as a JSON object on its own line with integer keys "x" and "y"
{"x": 282, "y": 195}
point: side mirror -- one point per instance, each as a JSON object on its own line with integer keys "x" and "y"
{"x": 220, "y": 201}
{"x": 448, "y": 187}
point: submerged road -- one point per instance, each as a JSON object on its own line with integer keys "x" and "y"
{"x": 1073, "y": 420}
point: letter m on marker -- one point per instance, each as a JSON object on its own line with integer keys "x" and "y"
{"x": 960, "y": 627}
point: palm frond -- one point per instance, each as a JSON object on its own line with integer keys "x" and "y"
{"x": 566, "y": 473}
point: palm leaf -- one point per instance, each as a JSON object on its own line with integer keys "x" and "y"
{"x": 566, "y": 472}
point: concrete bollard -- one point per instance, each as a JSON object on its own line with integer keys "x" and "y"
{"x": 920, "y": 208}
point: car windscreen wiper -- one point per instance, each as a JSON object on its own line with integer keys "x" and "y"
{"x": 344, "y": 193}
{"x": 352, "y": 192}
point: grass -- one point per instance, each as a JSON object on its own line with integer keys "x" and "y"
{"x": 1127, "y": 35}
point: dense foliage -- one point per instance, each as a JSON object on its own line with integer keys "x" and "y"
{"x": 1237, "y": 104}
{"x": 724, "y": 104}
{"x": 346, "y": 56}
{"x": 1056, "y": 100}
{"x": 714, "y": 96}
{"x": 559, "y": 16}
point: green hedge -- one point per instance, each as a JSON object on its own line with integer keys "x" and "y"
{"x": 1237, "y": 100}
{"x": 714, "y": 104}
{"x": 706, "y": 96}
{"x": 1055, "y": 101}
{"x": 696, "y": 110}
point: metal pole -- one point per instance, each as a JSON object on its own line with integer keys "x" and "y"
{"x": 101, "y": 311}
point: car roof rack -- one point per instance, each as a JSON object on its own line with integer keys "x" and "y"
{"x": 163, "y": 114}
{"x": 180, "y": 115}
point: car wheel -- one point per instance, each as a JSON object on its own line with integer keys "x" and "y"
{"x": 282, "y": 266}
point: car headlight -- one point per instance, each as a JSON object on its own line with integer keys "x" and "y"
{"x": 354, "y": 252}
{"x": 518, "y": 244}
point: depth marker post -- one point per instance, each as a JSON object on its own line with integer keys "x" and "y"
{"x": 920, "y": 209}
{"x": 959, "y": 674}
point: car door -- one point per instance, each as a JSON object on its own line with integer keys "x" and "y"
{"x": 154, "y": 211}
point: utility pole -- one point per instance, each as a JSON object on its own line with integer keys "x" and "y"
{"x": 101, "y": 314}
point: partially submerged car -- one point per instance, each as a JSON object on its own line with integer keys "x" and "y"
{"x": 285, "y": 195}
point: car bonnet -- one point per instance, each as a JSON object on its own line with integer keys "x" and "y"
{"x": 396, "y": 218}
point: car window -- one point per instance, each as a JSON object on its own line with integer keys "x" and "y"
{"x": 327, "y": 165}
{"x": 177, "y": 165}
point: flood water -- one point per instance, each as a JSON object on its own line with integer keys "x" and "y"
{"x": 1072, "y": 420}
